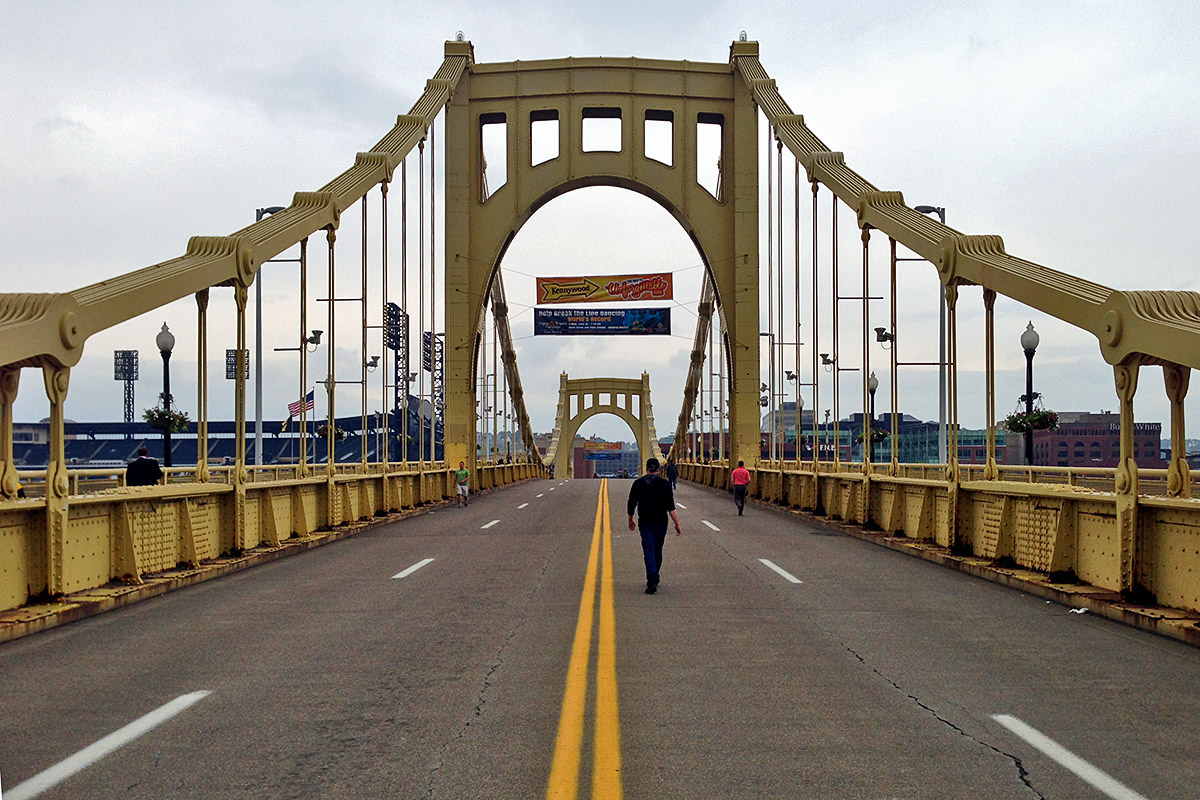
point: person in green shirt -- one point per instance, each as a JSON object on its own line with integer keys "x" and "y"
{"x": 462, "y": 478}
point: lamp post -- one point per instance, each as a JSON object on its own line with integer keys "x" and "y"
{"x": 872, "y": 385}
{"x": 165, "y": 341}
{"x": 1029, "y": 342}
{"x": 942, "y": 439}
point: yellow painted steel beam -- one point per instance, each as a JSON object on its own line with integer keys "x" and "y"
{"x": 512, "y": 376}
{"x": 695, "y": 367}
{"x": 51, "y": 329}
{"x": 1146, "y": 327}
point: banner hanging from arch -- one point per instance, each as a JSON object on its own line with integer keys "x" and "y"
{"x": 601, "y": 322}
{"x": 605, "y": 289}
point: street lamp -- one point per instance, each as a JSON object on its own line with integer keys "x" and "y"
{"x": 872, "y": 385}
{"x": 942, "y": 455}
{"x": 1029, "y": 342}
{"x": 165, "y": 341}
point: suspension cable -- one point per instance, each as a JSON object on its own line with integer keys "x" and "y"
{"x": 816, "y": 328}
{"x": 304, "y": 356}
{"x": 777, "y": 361}
{"x": 407, "y": 360}
{"x": 868, "y": 412}
{"x": 837, "y": 428}
{"x": 330, "y": 371}
{"x": 770, "y": 305}
{"x": 385, "y": 418}
{"x": 421, "y": 302}
{"x": 438, "y": 392}
{"x": 894, "y": 389}
{"x": 363, "y": 351}
{"x": 796, "y": 312}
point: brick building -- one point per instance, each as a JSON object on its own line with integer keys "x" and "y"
{"x": 1086, "y": 439}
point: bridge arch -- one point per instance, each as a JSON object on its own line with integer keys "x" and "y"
{"x": 481, "y": 224}
{"x": 580, "y": 399}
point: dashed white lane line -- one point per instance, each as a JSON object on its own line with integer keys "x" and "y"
{"x": 543, "y": 494}
{"x": 681, "y": 505}
{"x": 709, "y": 524}
{"x": 1082, "y": 769}
{"x": 522, "y": 505}
{"x": 109, "y": 744}
{"x": 552, "y": 488}
{"x": 426, "y": 562}
{"x": 783, "y": 572}
{"x": 487, "y": 525}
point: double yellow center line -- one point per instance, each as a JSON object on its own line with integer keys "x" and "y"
{"x": 606, "y": 744}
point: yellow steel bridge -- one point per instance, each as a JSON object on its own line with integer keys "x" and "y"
{"x": 1128, "y": 531}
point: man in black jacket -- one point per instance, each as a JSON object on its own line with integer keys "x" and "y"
{"x": 652, "y": 498}
{"x": 143, "y": 470}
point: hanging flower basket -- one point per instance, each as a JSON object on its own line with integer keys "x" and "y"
{"x": 1037, "y": 420}
{"x": 338, "y": 433}
{"x": 878, "y": 436}
{"x": 164, "y": 419}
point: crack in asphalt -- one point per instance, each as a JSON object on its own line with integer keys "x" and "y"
{"x": 493, "y": 668}
{"x": 1022, "y": 772}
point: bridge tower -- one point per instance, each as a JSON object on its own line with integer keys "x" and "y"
{"x": 482, "y": 220}
{"x": 581, "y": 399}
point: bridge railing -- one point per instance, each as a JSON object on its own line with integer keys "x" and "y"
{"x": 1063, "y": 523}
{"x": 128, "y": 534}
{"x": 1152, "y": 482}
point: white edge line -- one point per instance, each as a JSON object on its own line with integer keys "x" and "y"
{"x": 522, "y": 505}
{"x": 413, "y": 568}
{"x": 487, "y": 525}
{"x": 786, "y": 575}
{"x": 1065, "y": 758}
{"x": 109, "y": 744}
{"x": 709, "y": 524}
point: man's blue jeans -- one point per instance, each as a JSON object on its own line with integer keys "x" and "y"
{"x": 652, "y": 545}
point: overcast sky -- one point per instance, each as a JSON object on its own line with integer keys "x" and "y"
{"x": 1068, "y": 128}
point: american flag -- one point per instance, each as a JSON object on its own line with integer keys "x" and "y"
{"x": 307, "y": 403}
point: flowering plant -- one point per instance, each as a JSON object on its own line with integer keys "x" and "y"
{"x": 338, "y": 433}
{"x": 878, "y": 435}
{"x": 1037, "y": 420}
{"x": 166, "y": 419}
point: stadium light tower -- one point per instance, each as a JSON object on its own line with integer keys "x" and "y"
{"x": 125, "y": 368}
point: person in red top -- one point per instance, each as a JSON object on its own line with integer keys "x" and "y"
{"x": 740, "y": 478}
